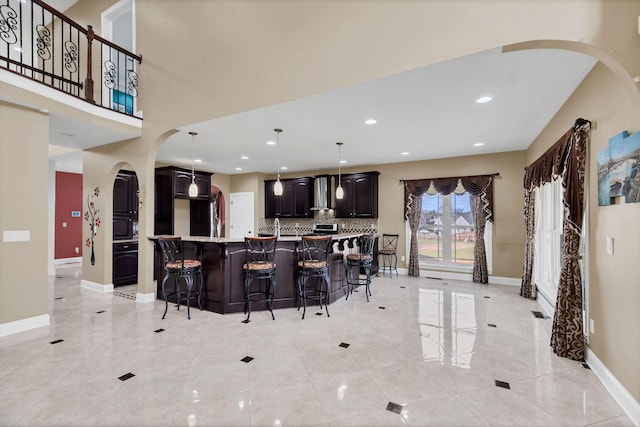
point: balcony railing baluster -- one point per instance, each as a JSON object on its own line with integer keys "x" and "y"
{"x": 42, "y": 44}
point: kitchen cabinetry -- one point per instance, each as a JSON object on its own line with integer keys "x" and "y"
{"x": 125, "y": 205}
{"x": 360, "y": 196}
{"x": 173, "y": 183}
{"x": 296, "y": 200}
{"x": 125, "y": 263}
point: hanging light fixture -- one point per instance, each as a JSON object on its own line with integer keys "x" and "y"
{"x": 193, "y": 188}
{"x": 339, "y": 190}
{"x": 277, "y": 187}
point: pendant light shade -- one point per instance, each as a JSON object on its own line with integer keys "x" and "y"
{"x": 277, "y": 187}
{"x": 339, "y": 190}
{"x": 193, "y": 188}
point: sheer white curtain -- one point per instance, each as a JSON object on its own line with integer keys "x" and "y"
{"x": 548, "y": 239}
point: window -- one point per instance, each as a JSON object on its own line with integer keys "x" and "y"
{"x": 446, "y": 230}
{"x": 547, "y": 256}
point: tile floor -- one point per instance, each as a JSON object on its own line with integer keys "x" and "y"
{"x": 423, "y": 352}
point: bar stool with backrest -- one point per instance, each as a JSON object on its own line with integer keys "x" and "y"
{"x": 261, "y": 267}
{"x": 177, "y": 267}
{"x": 313, "y": 263}
{"x": 362, "y": 259}
{"x": 388, "y": 252}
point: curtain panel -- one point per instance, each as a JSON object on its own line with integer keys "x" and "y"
{"x": 527, "y": 290}
{"x": 566, "y": 158}
{"x": 479, "y": 186}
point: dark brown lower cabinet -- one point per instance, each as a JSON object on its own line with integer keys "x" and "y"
{"x": 125, "y": 263}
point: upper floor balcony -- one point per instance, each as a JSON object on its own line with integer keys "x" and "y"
{"x": 40, "y": 43}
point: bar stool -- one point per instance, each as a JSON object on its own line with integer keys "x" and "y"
{"x": 388, "y": 252}
{"x": 313, "y": 262}
{"x": 176, "y": 266}
{"x": 259, "y": 266}
{"x": 363, "y": 259}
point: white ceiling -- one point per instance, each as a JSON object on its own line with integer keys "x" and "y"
{"x": 429, "y": 112}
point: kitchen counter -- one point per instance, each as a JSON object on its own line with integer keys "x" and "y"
{"x": 222, "y": 260}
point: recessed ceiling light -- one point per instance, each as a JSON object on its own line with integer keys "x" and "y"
{"x": 197, "y": 160}
{"x": 238, "y": 169}
{"x": 484, "y": 99}
{"x": 405, "y": 153}
{"x": 284, "y": 168}
{"x": 478, "y": 144}
{"x": 370, "y": 121}
{"x": 244, "y": 157}
{"x": 271, "y": 143}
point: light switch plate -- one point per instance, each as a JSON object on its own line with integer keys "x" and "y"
{"x": 610, "y": 245}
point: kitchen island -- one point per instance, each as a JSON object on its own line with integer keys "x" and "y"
{"x": 222, "y": 260}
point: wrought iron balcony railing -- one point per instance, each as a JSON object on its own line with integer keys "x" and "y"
{"x": 42, "y": 44}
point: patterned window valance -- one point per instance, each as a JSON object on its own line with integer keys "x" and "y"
{"x": 477, "y": 185}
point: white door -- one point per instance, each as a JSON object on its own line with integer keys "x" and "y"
{"x": 241, "y": 215}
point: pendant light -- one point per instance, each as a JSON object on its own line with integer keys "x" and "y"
{"x": 277, "y": 187}
{"x": 339, "y": 190}
{"x": 193, "y": 188}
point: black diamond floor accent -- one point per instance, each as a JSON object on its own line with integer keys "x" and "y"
{"x": 60, "y": 298}
{"x": 319, "y": 313}
{"x": 59, "y": 277}
{"x": 55, "y": 342}
{"x": 491, "y": 325}
{"x": 394, "y": 407}
{"x": 126, "y": 376}
{"x": 434, "y": 278}
{"x": 157, "y": 331}
{"x": 538, "y": 314}
{"x": 382, "y": 308}
{"x": 445, "y": 283}
{"x": 585, "y": 366}
{"x": 246, "y": 359}
{"x": 402, "y": 287}
{"x": 503, "y": 384}
{"x": 486, "y": 296}
{"x": 344, "y": 345}
{"x": 100, "y": 312}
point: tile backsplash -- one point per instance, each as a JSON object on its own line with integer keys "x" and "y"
{"x": 300, "y": 226}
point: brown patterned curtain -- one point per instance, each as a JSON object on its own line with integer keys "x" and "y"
{"x": 480, "y": 187}
{"x": 413, "y": 191}
{"x": 526, "y": 289}
{"x": 567, "y": 158}
{"x": 480, "y": 271}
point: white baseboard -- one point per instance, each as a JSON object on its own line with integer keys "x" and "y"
{"x": 511, "y": 281}
{"x": 61, "y": 261}
{"x": 98, "y": 287}
{"x": 617, "y": 390}
{"x": 545, "y": 303}
{"x": 145, "y": 298}
{"x": 23, "y": 325}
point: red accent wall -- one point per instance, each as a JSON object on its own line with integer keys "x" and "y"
{"x": 68, "y": 198}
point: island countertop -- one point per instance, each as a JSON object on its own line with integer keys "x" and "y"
{"x": 283, "y": 238}
{"x": 223, "y": 258}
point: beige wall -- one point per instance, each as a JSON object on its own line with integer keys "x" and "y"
{"x": 24, "y": 178}
{"x": 614, "y": 280}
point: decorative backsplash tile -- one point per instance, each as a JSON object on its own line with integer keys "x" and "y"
{"x": 300, "y": 226}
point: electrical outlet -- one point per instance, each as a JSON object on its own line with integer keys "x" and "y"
{"x": 402, "y": 258}
{"x": 610, "y": 245}
{"x": 592, "y": 327}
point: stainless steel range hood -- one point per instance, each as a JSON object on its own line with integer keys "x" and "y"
{"x": 322, "y": 194}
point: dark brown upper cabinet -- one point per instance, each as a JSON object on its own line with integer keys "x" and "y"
{"x": 360, "y": 196}
{"x": 296, "y": 200}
